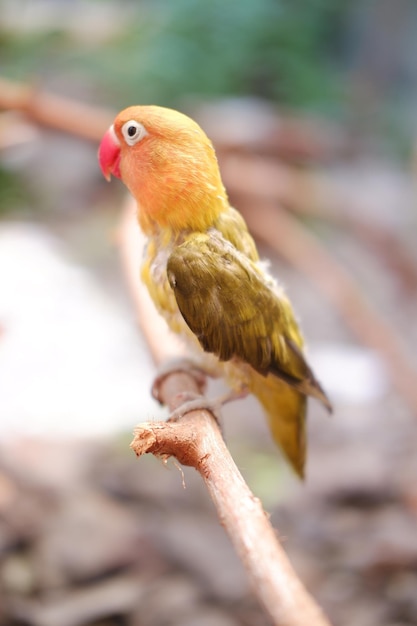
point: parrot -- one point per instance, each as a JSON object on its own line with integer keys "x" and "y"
{"x": 203, "y": 271}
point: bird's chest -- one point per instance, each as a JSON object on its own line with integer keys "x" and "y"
{"x": 154, "y": 275}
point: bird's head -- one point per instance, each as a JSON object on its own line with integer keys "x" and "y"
{"x": 168, "y": 164}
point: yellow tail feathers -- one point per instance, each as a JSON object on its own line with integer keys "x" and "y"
{"x": 285, "y": 409}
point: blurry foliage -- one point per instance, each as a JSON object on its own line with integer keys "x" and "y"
{"x": 12, "y": 193}
{"x": 29, "y": 54}
{"x": 278, "y": 49}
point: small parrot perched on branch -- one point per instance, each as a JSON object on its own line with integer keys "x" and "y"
{"x": 203, "y": 271}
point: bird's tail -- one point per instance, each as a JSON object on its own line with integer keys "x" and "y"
{"x": 285, "y": 408}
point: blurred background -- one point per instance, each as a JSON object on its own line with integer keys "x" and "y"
{"x": 312, "y": 107}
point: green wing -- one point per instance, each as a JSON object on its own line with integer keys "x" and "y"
{"x": 235, "y": 312}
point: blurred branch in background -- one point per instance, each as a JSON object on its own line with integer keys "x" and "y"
{"x": 54, "y": 111}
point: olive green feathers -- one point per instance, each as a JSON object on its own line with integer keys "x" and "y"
{"x": 236, "y": 312}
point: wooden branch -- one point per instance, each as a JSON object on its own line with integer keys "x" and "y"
{"x": 195, "y": 440}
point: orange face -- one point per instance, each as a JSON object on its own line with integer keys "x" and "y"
{"x": 168, "y": 164}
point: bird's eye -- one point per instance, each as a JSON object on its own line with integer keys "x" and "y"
{"x": 133, "y": 132}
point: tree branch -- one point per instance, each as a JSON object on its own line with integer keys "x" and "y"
{"x": 63, "y": 114}
{"x": 195, "y": 440}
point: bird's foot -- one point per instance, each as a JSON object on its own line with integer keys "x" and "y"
{"x": 178, "y": 365}
{"x": 194, "y": 402}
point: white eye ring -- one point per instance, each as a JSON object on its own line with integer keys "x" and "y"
{"x": 133, "y": 132}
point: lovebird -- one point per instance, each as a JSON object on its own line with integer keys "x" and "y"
{"x": 203, "y": 271}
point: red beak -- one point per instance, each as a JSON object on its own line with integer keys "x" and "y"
{"x": 109, "y": 155}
